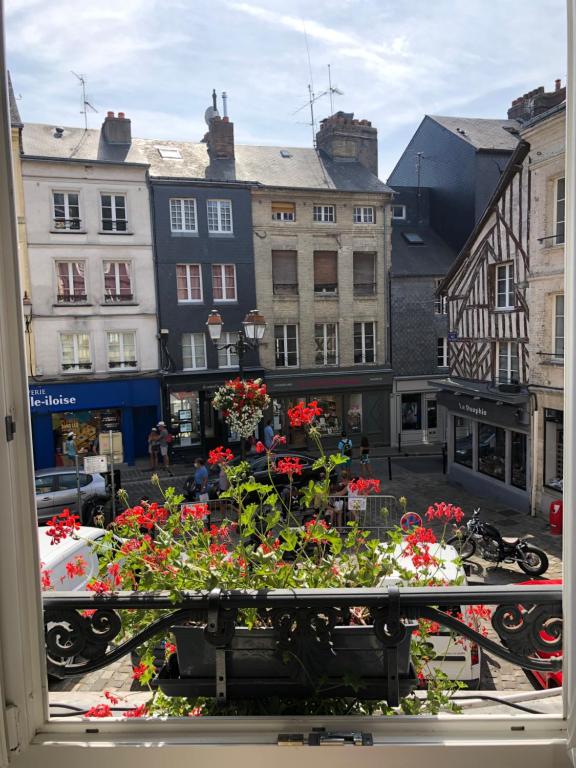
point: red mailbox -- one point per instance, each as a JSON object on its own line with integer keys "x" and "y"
{"x": 556, "y": 514}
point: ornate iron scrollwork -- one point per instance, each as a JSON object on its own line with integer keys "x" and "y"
{"x": 528, "y": 630}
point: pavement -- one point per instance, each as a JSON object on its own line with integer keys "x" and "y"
{"x": 420, "y": 479}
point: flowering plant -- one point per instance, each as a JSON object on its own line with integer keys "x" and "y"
{"x": 269, "y": 538}
{"x": 242, "y": 403}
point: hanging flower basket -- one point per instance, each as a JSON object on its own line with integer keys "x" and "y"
{"x": 242, "y": 404}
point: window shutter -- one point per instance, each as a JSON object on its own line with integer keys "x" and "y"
{"x": 325, "y": 268}
{"x": 283, "y": 207}
{"x": 284, "y": 268}
{"x": 364, "y": 272}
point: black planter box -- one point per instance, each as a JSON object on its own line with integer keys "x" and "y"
{"x": 356, "y": 665}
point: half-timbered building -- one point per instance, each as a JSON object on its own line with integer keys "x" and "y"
{"x": 486, "y": 394}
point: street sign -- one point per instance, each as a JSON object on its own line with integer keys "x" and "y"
{"x": 452, "y": 335}
{"x": 95, "y": 464}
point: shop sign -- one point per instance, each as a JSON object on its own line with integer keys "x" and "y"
{"x": 497, "y": 412}
{"x": 95, "y": 464}
{"x": 39, "y": 398}
{"x": 452, "y": 335}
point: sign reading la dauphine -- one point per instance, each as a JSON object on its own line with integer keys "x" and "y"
{"x": 39, "y": 398}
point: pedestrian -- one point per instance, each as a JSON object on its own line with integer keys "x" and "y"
{"x": 365, "y": 469}
{"x": 163, "y": 442}
{"x": 268, "y": 434}
{"x": 338, "y": 494}
{"x": 345, "y": 449}
{"x": 70, "y": 451}
{"x": 201, "y": 480}
{"x": 153, "y": 447}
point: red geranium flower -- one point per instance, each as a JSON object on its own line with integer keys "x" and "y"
{"x": 61, "y": 526}
{"x": 440, "y": 510}
{"x": 140, "y": 711}
{"x": 220, "y": 455}
{"x": 139, "y": 671}
{"x": 289, "y": 465}
{"x": 260, "y": 447}
{"x": 111, "y": 698}
{"x": 301, "y": 415}
{"x": 76, "y": 568}
{"x": 197, "y": 511}
{"x": 100, "y": 710}
{"x": 364, "y": 486}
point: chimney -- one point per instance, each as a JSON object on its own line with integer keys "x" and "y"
{"x": 343, "y": 138}
{"x": 117, "y": 130}
{"x": 536, "y": 102}
{"x": 220, "y": 136}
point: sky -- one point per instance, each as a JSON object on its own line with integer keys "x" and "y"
{"x": 393, "y": 60}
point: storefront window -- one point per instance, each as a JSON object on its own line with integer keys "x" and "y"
{"x": 185, "y": 417}
{"x": 518, "y": 460}
{"x": 463, "y": 453}
{"x": 431, "y": 413}
{"x": 87, "y": 427}
{"x": 554, "y": 449}
{"x": 354, "y": 414}
{"x": 411, "y": 411}
{"x": 492, "y": 451}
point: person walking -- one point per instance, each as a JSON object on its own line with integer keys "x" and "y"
{"x": 268, "y": 434}
{"x": 365, "y": 468}
{"x": 201, "y": 480}
{"x": 345, "y": 449}
{"x": 163, "y": 442}
{"x": 70, "y": 451}
{"x": 153, "y": 447}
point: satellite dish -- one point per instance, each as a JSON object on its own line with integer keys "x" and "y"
{"x": 210, "y": 114}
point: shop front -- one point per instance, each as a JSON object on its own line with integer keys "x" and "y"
{"x": 415, "y": 416}
{"x": 356, "y": 402}
{"x": 124, "y": 410}
{"x": 548, "y": 453}
{"x": 488, "y": 440}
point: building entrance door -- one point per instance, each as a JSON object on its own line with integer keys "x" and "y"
{"x": 431, "y": 427}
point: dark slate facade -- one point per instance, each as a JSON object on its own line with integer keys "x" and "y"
{"x": 191, "y": 390}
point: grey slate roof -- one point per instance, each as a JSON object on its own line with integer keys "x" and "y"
{"x": 482, "y": 133}
{"x": 434, "y": 257}
{"x": 75, "y": 144}
{"x": 14, "y": 113}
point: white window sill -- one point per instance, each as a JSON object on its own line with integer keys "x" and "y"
{"x": 183, "y": 233}
{"x": 225, "y": 301}
{"x": 69, "y": 231}
{"x": 220, "y": 234}
{"x": 114, "y": 232}
{"x": 190, "y": 301}
{"x": 187, "y": 370}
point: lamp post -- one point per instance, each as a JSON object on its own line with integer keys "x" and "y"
{"x": 27, "y": 310}
{"x": 249, "y": 336}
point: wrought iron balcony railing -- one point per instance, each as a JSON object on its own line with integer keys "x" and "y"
{"x": 72, "y": 298}
{"x": 118, "y": 298}
{"x": 67, "y": 225}
{"x": 308, "y": 625}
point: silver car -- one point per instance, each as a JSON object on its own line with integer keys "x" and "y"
{"x": 57, "y": 489}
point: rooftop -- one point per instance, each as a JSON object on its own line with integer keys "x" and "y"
{"x": 482, "y": 133}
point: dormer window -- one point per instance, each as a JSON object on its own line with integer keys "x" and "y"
{"x": 283, "y": 212}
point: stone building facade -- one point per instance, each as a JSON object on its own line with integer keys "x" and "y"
{"x": 547, "y": 135}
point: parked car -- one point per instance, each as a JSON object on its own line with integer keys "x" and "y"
{"x": 53, "y": 558}
{"x": 57, "y": 489}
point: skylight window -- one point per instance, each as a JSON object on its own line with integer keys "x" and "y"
{"x": 412, "y": 238}
{"x": 285, "y": 153}
{"x": 169, "y": 153}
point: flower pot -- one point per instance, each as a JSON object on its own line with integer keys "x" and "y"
{"x": 353, "y": 663}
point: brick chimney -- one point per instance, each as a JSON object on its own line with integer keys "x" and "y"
{"x": 341, "y": 137}
{"x": 117, "y": 130}
{"x": 536, "y": 102}
{"x": 220, "y": 136}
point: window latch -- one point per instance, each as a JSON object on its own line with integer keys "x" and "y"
{"x": 319, "y": 737}
{"x": 10, "y": 426}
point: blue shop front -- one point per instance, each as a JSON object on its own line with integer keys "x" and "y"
{"x": 126, "y": 408}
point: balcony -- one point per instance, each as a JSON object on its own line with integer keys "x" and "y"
{"x": 67, "y": 225}
{"x": 70, "y": 367}
{"x": 119, "y": 365}
{"x": 71, "y": 298}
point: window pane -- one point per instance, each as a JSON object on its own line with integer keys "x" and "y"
{"x": 212, "y": 210}
{"x": 63, "y": 279}
{"x": 518, "y": 460}
{"x": 463, "y": 441}
{"x": 195, "y": 282}
{"x": 175, "y": 215}
{"x": 411, "y": 411}
{"x": 559, "y": 327}
{"x": 492, "y": 451}
{"x": 364, "y": 269}
{"x": 217, "y": 285}
{"x": 230, "y": 281}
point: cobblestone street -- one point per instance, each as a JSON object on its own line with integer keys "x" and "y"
{"x": 420, "y": 479}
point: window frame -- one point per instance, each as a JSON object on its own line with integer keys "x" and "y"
{"x": 555, "y": 337}
{"x": 324, "y": 213}
{"x": 74, "y": 298}
{"x": 358, "y": 288}
{"x": 182, "y": 211}
{"x": 360, "y": 218}
{"x": 284, "y": 339}
{"x": 510, "y": 287}
{"x": 442, "y": 355}
{"x": 219, "y": 205}
{"x": 440, "y": 302}
{"x": 398, "y": 218}
{"x": 189, "y": 300}
{"x": 227, "y": 338}
{"x": 362, "y": 336}
{"x": 281, "y": 217}
{"x": 118, "y": 297}
{"x": 122, "y": 363}
{"x": 224, "y": 300}
{"x": 193, "y": 351}
{"x": 74, "y": 367}
{"x": 67, "y": 219}
{"x": 115, "y": 220}
{"x": 559, "y": 239}
{"x": 325, "y": 337}
{"x": 509, "y": 358}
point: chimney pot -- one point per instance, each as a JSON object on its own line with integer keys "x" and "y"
{"x": 225, "y": 119}
{"x": 110, "y": 114}
{"x": 558, "y": 84}
{"x": 121, "y": 115}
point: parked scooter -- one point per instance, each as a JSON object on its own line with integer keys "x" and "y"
{"x": 495, "y": 548}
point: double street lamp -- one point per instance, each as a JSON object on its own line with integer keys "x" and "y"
{"x": 249, "y": 336}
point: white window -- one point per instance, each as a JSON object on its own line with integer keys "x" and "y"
{"x": 75, "y": 352}
{"x": 559, "y": 326}
{"x": 283, "y": 212}
{"x": 399, "y": 212}
{"x": 224, "y": 282}
{"x": 227, "y": 357}
{"x": 117, "y": 282}
{"x": 121, "y": 350}
{"x": 169, "y": 153}
{"x": 188, "y": 282}
{"x": 508, "y": 369}
{"x": 286, "y": 343}
{"x": 113, "y": 213}
{"x": 71, "y": 282}
{"x": 442, "y": 354}
{"x": 560, "y": 212}
{"x": 326, "y": 342}
{"x": 440, "y": 302}
{"x": 324, "y": 213}
{"x": 364, "y": 342}
{"x": 193, "y": 351}
{"x": 66, "y": 210}
{"x": 505, "y": 286}
{"x": 364, "y": 215}
{"x": 183, "y": 214}
{"x": 219, "y": 215}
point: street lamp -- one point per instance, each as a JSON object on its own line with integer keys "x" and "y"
{"x": 27, "y": 310}
{"x": 249, "y": 336}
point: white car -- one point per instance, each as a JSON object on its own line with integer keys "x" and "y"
{"x": 54, "y": 557}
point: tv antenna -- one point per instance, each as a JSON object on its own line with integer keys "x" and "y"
{"x": 86, "y": 106}
{"x": 313, "y": 98}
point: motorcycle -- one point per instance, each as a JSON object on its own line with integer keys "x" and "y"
{"x": 495, "y": 548}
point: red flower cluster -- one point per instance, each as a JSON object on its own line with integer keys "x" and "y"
{"x": 244, "y": 394}
{"x": 301, "y": 415}
{"x": 143, "y": 517}
{"x": 100, "y": 587}
{"x": 363, "y": 486}
{"x": 289, "y": 465}
{"x": 266, "y": 548}
{"x": 111, "y": 698}
{"x": 139, "y": 671}
{"x": 197, "y": 511}
{"x": 61, "y": 526}
{"x": 100, "y": 710}
{"x": 480, "y": 612}
{"x": 217, "y": 549}
{"x": 76, "y": 568}
{"x": 45, "y": 576}
{"x": 220, "y": 455}
{"x": 140, "y": 711}
{"x": 222, "y": 532}
{"x": 417, "y": 548}
{"x": 260, "y": 447}
{"x": 420, "y": 535}
{"x": 441, "y": 510}
{"x": 315, "y": 531}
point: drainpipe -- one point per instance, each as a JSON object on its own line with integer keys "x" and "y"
{"x": 535, "y": 416}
